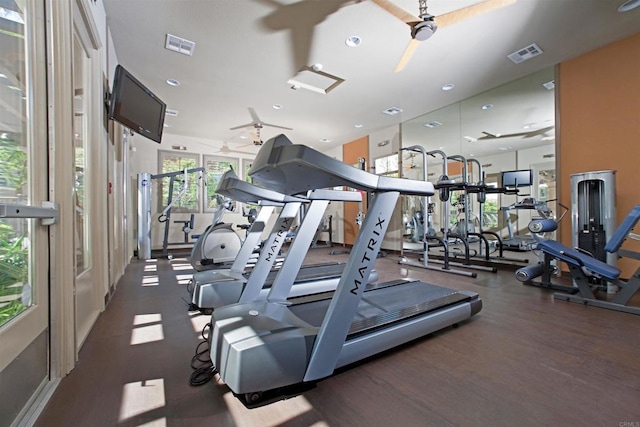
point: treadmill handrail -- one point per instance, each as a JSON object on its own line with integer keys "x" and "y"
{"x": 279, "y": 162}
{"x": 232, "y": 186}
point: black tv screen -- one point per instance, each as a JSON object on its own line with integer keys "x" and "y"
{"x": 519, "y": 178}
{"x": 135, "y": 106}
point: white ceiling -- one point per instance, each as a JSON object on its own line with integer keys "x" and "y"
{"x": 244, "y": 55}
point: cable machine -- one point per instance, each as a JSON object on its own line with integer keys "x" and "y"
{"x": 144, "y": 211}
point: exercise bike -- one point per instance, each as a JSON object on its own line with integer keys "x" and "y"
{"x": 219, "y": 244}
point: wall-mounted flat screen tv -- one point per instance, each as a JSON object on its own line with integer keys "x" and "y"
{"x": 519, "y": 178}
{"x": 135, "y": 106}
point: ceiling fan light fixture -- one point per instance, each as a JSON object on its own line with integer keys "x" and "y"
{"x": 424, "y": 30}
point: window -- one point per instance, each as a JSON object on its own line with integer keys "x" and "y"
{"x": 387, "y": 166}
{"x": 183, "y": 200}
{"x": 246, "y": 166}
{"x": 215, "y": 167}
{"x": 15, "y": 147}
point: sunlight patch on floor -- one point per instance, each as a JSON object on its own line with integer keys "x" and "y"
{"x": 160, "y": 422}
{"x": 140, "y": 397}
{"x": 143, "y": 319}
{"x": 277, "y": 413}
{"x": 150, "y": 281}
{"x": 183, "y": 279}
{"x": 146, "y": 334}
{"x": 178, "y": 266}
{"x": 199, "y": 322}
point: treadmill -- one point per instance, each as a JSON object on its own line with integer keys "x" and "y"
{"x": 270, "y": 344}
{"x": 217, "y": 288}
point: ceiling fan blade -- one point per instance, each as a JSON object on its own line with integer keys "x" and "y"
{"x": 406, "y": 56}
{"x": 538, "y": 132}
{"x": 254, "y": 116}
{"x": 397, "y": 11}
{"x": 275, "y": 126}
{"x": 471, "y": 11}
{"x": 248, "y": 125}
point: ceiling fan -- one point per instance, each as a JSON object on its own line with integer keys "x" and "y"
{"x": 257, "y": 124}
{"x": 225, "y": 149}
{"x": 530, "y": 134}
{"x": 425, "y": 25}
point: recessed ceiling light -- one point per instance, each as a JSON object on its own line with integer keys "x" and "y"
{"x": 392, "y": 111}
{"x": 470, "y": 139}
{"x": 471, "y": 155}
{"x": 353, "y": 41}
{"x": 243, "y": 137}
{"x": 487, "y": 106}
{"x": 325, "y": 140}
{"x": 628, "y": 5}
{"x": 507, "y": 148}
{"x": 167, "y": 125}
{"x": 433, "y": 124}
{"x": 173, "y": 82}
{"x": 448, "y": 86}
{"x": 277, "y": 106}
{"x": 358, "y": 125}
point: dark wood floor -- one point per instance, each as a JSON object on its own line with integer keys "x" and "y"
{"x": 524, "y": 360}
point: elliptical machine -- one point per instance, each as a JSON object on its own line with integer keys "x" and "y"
{"x": 219, "y": 244}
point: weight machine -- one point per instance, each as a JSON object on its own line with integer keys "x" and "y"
{"x": 144, "y": 211}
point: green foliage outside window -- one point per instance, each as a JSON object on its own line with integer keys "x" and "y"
{"x": 215, "y": 167}
{"x": 14, "y": 268}
{"x": 178, "y": 162}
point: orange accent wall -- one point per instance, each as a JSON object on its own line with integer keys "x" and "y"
{"x": 598, "y": 97}
{"x": 351, "y": 152}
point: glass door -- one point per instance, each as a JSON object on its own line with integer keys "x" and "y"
{"x": 24, "y": 246}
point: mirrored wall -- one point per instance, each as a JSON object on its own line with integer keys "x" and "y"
{"x": 508, "y": 128}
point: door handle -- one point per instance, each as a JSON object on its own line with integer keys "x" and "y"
{"x": 48, "y": 213}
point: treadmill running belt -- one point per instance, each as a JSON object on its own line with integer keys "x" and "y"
{"x": 382, "y": 306}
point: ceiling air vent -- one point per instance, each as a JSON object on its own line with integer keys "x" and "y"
{"x": 392, "y": 111}
{"x": 171, "y": 113}
{"x": 523, "y": 54}
{"x": 180, "y": 45}
{"x": 548, "y": 156}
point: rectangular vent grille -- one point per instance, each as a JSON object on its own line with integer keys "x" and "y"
{"x": 180, "y": 45}
{"x": 171, "y": 113}
{"x": 433, "y": 124}
{"x": 528, "y": 52}
{"x": 548, "y": 156}
{"x": 392, "y": 111}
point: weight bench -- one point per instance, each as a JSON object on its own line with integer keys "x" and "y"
{"x": 584, "y": 267}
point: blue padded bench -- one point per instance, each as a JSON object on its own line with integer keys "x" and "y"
{"x": 571, "y": 256}
{"x": 583, "y": 267}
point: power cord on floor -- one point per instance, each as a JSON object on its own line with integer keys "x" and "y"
{"x": 201, "y": 362}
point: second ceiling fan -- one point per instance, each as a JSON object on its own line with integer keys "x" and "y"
{"x": 257, "y": 124}
{"x": 424, "y": 25}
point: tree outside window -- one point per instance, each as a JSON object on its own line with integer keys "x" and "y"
{"x": 215, "y": 167}
{"x": 171, "y": 161}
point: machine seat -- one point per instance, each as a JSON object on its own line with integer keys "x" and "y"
{"x": 623, "y": 230}
{"x": 571, "y": 257}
